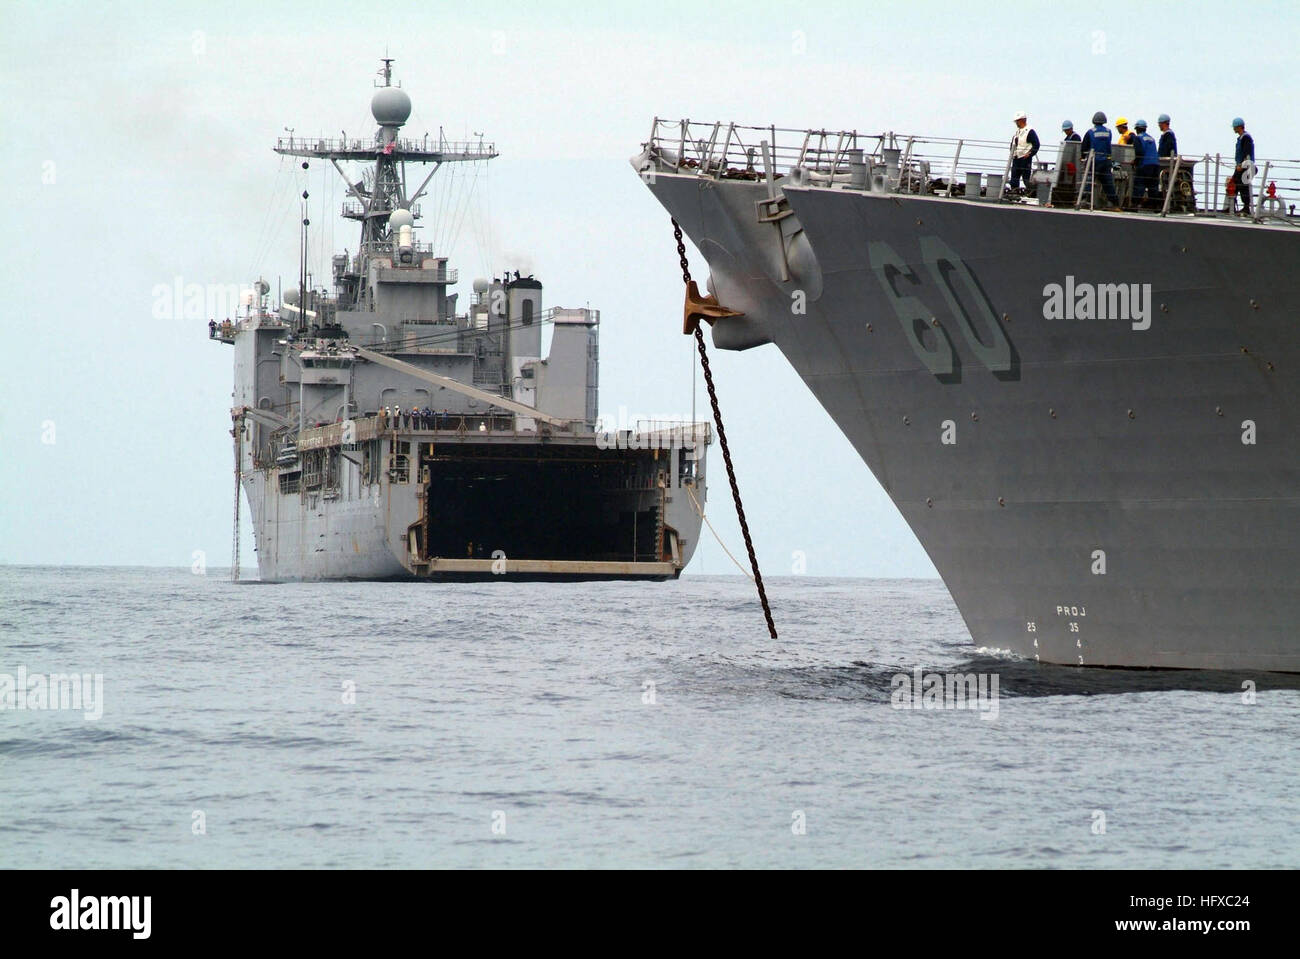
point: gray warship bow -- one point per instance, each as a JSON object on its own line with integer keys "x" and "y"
{"x": 1091, "y": 420}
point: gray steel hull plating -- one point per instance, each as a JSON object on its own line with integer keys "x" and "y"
{"x": 1098, "y": 444}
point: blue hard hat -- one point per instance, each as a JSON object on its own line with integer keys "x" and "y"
{"x": 1163, "y": 118}
{"x": 1238, "y": 122}
{"x": 1067, "y": 125}
{"x": 1140, "y": 125}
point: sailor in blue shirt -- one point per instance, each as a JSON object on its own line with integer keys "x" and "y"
{"x": 1097, "y": 142}
{"x": 1245, "y": 161}
{"x": 1168, "y": 142}
{"x": 1146, "y": 163}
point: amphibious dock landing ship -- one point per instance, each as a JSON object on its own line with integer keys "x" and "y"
{"x": 1090, "y": 420}
{"x": 380, "y": 432}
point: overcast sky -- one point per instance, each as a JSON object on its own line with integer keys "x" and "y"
{"x": 138, "y": 152}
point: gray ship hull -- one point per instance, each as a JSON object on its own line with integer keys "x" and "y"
{"x": 476, "y": 505}
{"x": 304, "y": 539}
{"x": 385, "y": 429}
{"x": 1091, "y": 493}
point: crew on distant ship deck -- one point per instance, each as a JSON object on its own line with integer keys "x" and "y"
{"x": 1024, "y": 145}
{"x": 212, "y": 329}
{"x": 1067, "y": 128}
{"x": 1168, "y": 142}
{"x": 1125, "y": 134}
{"x": 1097, "y": 141}
{"x": 1245, "y": 166}
{"x": 1146, "y": 163}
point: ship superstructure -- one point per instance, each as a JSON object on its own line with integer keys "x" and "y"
{"x": 382, "y": 431}
{"x": 1090, "y": 420}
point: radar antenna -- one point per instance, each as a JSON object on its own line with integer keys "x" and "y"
{"x": 383, "y": 192}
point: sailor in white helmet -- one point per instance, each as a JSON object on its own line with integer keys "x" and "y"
{"x": 1024, "y": 145}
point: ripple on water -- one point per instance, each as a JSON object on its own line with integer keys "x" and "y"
{"x": 609, "y": 724}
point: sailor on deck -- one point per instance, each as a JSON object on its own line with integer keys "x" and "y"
{"x": 1024, "y": 145}
{"x": 1146, "y": 163}
{"x": 1168, "y": 142}
{"x": 1245, "y": 165}
{"x": 1097, "y": 142}
{"x": 1067, "y": 128}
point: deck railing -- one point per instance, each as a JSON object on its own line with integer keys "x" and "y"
{"x": 428, "y": 145}
{"x": 898, "y": 163}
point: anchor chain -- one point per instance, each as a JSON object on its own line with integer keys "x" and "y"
{"x": 238, "y": 432}
{"x": 722, "y": 437}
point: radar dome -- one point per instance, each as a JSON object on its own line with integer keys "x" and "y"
{"x": 400, "y": 218}
{"x": 290, "y": 296}
{"x": 480, "y": 286}
{"x": 391, "y": 106}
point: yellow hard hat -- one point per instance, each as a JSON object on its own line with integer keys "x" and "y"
{"x": 1121, "y": 121}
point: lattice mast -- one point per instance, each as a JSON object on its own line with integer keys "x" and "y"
{"x": 377, "y": 197}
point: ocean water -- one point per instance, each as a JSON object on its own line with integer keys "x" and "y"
{"x": 609, "y": 724}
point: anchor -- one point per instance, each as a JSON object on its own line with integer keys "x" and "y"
{"x": 699, "y": 307}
